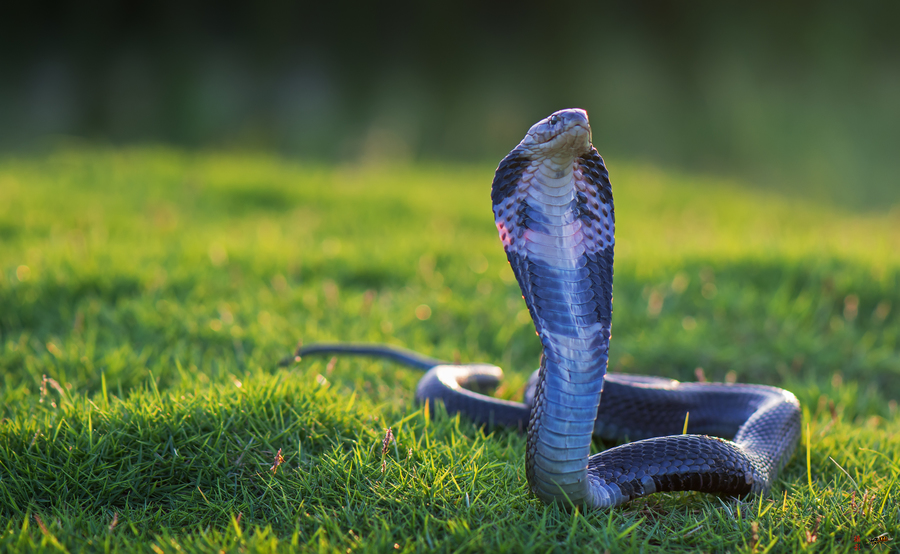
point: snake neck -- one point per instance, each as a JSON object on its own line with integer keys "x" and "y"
{"x": 556, "y": 221}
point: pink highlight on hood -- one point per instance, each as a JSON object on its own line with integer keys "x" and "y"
{"x": 505, "y": 235}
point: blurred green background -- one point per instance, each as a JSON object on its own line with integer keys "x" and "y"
{"x": 801, "y": 97}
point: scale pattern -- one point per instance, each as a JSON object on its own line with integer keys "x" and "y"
{"x": 558, "y": 225}
{"x": 553, "y": 209}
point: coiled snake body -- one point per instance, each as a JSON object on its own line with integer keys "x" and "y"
{"x": 553, "y": 209}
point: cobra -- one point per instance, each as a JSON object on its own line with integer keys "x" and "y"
{"x": 553, "y": 208}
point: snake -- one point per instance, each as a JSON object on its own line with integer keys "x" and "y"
{"x": 553, "y": 209}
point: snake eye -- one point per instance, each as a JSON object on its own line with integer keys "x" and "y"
{"x": 554, "y": 119}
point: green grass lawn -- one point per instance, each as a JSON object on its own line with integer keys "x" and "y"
{"x": 146, "y": 296}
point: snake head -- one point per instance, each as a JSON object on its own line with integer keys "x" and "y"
{"x": 563, "y": 133}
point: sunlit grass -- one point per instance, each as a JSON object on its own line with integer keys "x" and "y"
{"x": 156, "y": 291}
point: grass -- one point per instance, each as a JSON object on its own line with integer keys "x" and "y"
{"x": 147, "y": 294}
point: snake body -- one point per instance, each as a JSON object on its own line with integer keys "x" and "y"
{"x": 553, "y": 208}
